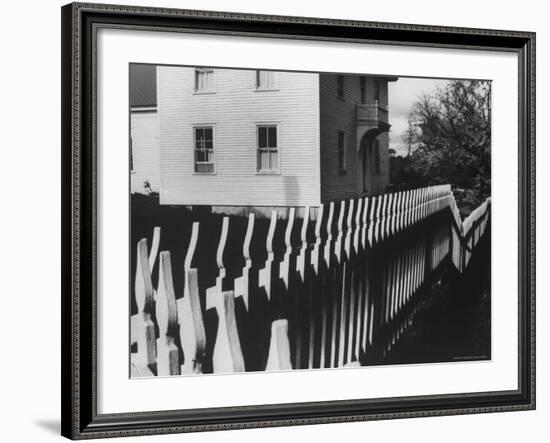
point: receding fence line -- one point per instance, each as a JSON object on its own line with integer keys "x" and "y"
{"x": 337, "y": 292}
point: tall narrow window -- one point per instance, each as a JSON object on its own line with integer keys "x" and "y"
{"x": 266, "y": 80}
{"x": 377, "y": 156}
{"x": 204, "y": 80}
{"x": 363, "y": 89}
{"x": 340, "y": 86}
{"x": 341, "y": 151}
{"x": 268, "y": 150}
{"x": 204, "y": 149}
{"x": 377, "y": 90}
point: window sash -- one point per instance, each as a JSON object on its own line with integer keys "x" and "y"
{"x": 341, "y": 151}
{"x": 265, "y": 79}
{"x": 204, "y": 149}
{"x": 267, "y": 148}
{"x": 204, "y": 79}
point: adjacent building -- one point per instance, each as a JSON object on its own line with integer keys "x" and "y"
{"x": 239, "y": 137}
{"x": 144, "y": 130}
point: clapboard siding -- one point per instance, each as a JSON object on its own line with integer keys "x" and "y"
{"x": 235, "y": 110}
{"x": 338, "y": 114}
{"x": 145, "y": 151}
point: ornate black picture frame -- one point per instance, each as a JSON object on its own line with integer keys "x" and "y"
{"x": 80, "y": 418}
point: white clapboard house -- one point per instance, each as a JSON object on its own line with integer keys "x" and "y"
{"x": 236, "y": 137}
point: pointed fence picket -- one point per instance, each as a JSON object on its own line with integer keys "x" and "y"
{"x": 337, "y": 287}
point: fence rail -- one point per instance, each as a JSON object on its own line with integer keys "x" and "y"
{"x": 340, "y": 290}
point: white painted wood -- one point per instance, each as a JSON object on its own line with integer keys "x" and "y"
{"x": 235, "y": 110}
{"x": 167, "y": 319}
{"x": 265, "y": 273}
{"x": 145, "y": 334}
{"x": 154, "y": 247}
{"x": 145, "y": 151}
{"x": 244, "y": 284}
{"x": 279, "y": 347}
{"x": 227, "y": 356}
{"x": 192, "y": 332}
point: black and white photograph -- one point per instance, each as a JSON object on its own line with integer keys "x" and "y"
{"x": 285, "y": 220}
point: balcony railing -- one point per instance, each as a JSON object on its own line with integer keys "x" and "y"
{"x": 371, "y": 112}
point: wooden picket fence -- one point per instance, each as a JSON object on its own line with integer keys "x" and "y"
{"x": 341, "y": 295}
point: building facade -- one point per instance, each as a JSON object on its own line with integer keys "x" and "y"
{"x": 235, "y": 137}
{"x": 144, "y": 130}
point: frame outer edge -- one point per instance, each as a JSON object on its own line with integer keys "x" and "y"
{"x": 71, "y": 90}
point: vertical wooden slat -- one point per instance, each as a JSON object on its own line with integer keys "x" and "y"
{"x": 279, "y": 347}
{"x": 145, "y": 334}
{"x": 212, "y": 294}
{"x": 316, "y": 292}
{"x": 357, "y": 276}
{"x": 327, "y": 299}
{"x": 337, "y": 290}
{"x": 191, "y": 325}
{"x": 247, "y": 260}
{"x": 167, "y": 319}
{"x": 154, "y": 247}
{"x": 227, "y": 356}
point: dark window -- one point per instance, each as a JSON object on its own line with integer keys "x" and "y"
{"x": 340, "y": 86}
{"x": 377, "y": 156}
{"x": 204, "y": 149}
{"x": 268, "y": 150}
{"x": 377, "y": 90}
{"x": 341, "y": 152}
{"x": 363, "y": 89}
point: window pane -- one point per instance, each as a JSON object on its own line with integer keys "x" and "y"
{"x": 264, "y": 79}
{"x": 264, "y": 160}
{"x": 262, "y": 137}
{"x": 273, "y": 160}
{"x": 207, "y": 133}
{"x": 272, "y": 142}
{"x": 204, "y": 79}
{"x": 204, "y": 167}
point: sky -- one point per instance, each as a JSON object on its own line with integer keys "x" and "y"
{"x": 402, "y": 95}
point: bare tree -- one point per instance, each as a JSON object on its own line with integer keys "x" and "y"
{"x": 451, "y": 136}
